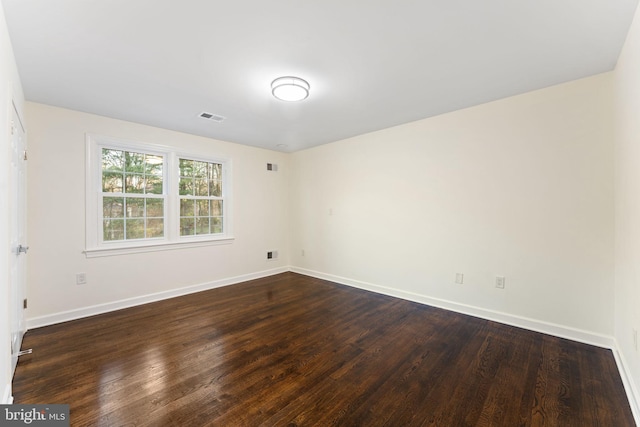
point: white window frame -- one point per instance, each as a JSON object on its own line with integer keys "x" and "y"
{"x": 96, "y": 247}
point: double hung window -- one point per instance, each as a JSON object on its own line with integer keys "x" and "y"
{"x": 133, "y": 196}
{"x": 201, "y": 201}
{"x": 144, "y": 197}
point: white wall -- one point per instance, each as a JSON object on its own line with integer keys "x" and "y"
{"x": 56, "y": 220}
{"x": 521, "y": 188}
{"x": 10, "y": 88}
{"x": 627, "y": 204}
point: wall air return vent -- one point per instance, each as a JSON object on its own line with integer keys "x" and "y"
{"x": 211, "y": 116}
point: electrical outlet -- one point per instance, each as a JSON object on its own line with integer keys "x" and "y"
{"x": 500, "y": 282}
{"x": 459, "y": 278}
{"x": 272, "y": 255}
{"x": 81, "y": 278}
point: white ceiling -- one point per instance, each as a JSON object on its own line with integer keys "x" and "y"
{"x": 371, "y": 64}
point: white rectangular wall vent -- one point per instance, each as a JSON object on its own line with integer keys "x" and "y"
{"x": 211, "y": 116}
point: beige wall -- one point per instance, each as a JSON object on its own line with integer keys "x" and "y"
{"x": 521, "y": 188}
{"x": 627, "y": 205}
{"x": 56, "y": 221}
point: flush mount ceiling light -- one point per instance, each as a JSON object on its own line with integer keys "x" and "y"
{"x": 290, "y": 88}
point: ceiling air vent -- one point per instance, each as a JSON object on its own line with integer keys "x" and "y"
{"x": 211, "y": 116}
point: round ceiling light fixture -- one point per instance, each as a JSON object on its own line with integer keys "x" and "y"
{"x": 290, "y": 88}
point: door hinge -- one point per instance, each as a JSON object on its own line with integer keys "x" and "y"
{"x": 24, "y": 304}
{"x": 13, "y": 127}
{"x": 25, "y": 155}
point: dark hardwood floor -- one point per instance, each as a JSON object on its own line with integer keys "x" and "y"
{"x": 291, "y": 350}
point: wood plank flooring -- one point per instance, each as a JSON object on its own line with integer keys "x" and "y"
{"x": 291, "y": 350}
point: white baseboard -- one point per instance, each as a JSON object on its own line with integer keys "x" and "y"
{"x": 561, "y": 331}
{"x": 630, "y": 386}
{"x": 7, "y": 398}
{"x": 509, "y": 319}
{"x": 65, "y": 316}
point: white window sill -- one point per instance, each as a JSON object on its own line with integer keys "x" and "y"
{"x": 155, "y": 247}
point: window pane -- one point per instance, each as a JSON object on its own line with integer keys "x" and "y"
{"x": 216, "y": 208}
{"x": 187, "y": 207}
{"x": 187, "y": 226}
{"x": 215, "y": 171}
{"x": 134, "y": 162}
{"x": 202, "y": 208}
{"x": 216, "y": 225}
{"x": 186, "y": 167}
{"x": 202, "y": 225}
{"x": 112, "y": 182}
{"x": 155, "y": 208}
{"x": 135, "y": 208}
{"x": 135, "y": 229}
{"x": 133, "y": 183}
{"x": 113, "y": 207}
{"x": 155, "y": 228}
{"x": 153, "y": 185}
{"x": 201, "y": 187}
{"x": 215, "y": 188}
{"x": 112, "y": 160}
{"x": 153, "y": 165}
{"x": 186, "y": 187}
{"x": 200, "y": 169}
{"x": 113, "y": 229}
